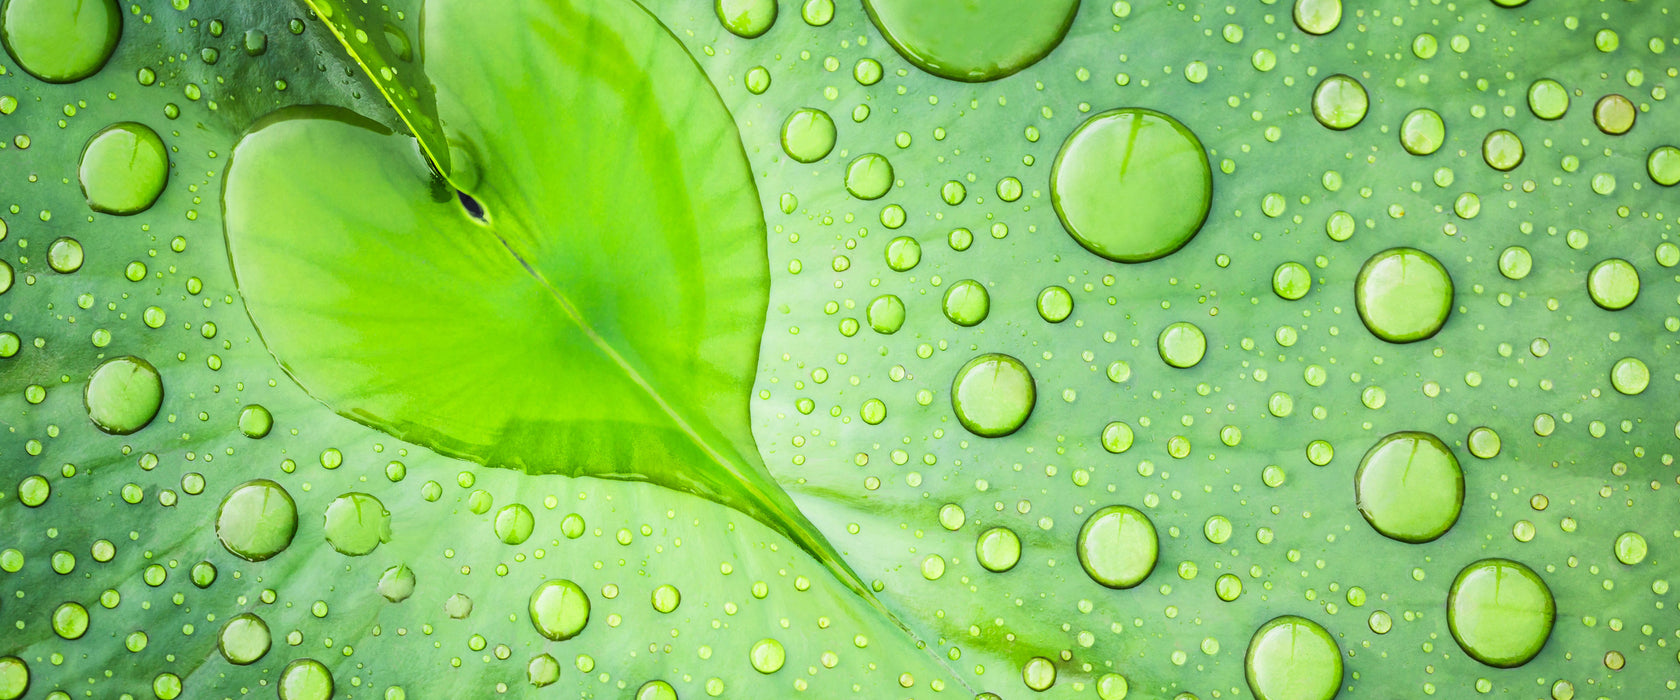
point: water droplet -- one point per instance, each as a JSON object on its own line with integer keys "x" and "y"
{"x": 1500, "y": 612}
{"x": 808, "y": 135}
{"x": 1228, "y": 587}
{"x": 767, "y": 656}
{"x": 747, "y": 19}
{"x": 993, "y": 395}
{"x": 1117, "y": 437}
{"x": 1548, "y": 99}
{"x": 256, "y": 520}
{"x": 1422, "y": 132}
{"x": 1663, "y": 165}
{"x": 1410, "y": 487}
{"x": 65, "y": 255}
{"x": 1484, "y": 442}
{"x": 1039, "y": 673}
{"x": 256, "y": 42}
{"x": 757, "y": 80}
{"x": 658, "y": 690}
{"x": 1132, "y": 185}
{"x": 306, "y": 679}
{"x": 1112, "y": 686}
{"x": 123, "y": 395}
{"x": 356, "y": 523}
{"x": 972, "y": 41}
{"x": 1217, "y": 529}
{"x": 1630, "y": 376}
{"x": 1515, "y": 262}
{"x": 1318, "y": 16}
{"x": 559, "y": 609}
{"x": 244, "y": 639}
{"x": 255, "y": 421}
{"x": 14, "y": 678}
{"x": 1631, "y": 548}
{"x": 1293, "y": 658}
{"x": 816, "y": 13}
{"x": 70, "y": 620}
{"x": 1055, "y": 304}
{"x": 1182, "y": 345}
{"x": 666, "y": 598}
{"x": 1340, "y": 102}
{"x": 1613, "y": 284}
{"x": 514, "y": 524}
{"x": 458, "y": 606}
{"x": 542, "y": 671}
{"x": 60, "y": 42}
{"x": 998, "y": 549}
{"x": 904, "y": 254}
{"x": 1403, "y": 295}
{"x": 123, "y": 169}
{"x": 869, "y": 176}
{"x": 1614, "y": 114}
{"x": 886, "y": 314}
{"x": 1502, "y": 150}
{"x": 967, "y": 303}
{"x": 1118, "y": 546}
{"x": 1291, "y": 281}
{"x": 396, "y": 584}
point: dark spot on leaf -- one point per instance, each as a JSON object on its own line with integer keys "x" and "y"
{"x": 472, "y": 206}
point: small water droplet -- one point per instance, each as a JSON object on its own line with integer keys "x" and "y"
{"x": 1182, "y": 345}
{"x": 967, "y": 303}
{"x": 1340, "y": 102}
{"x": 767, "y": 656}
{"x": 998, "y": 549}
{"x": 972, "y": 41}
{"x": 747, "y": 19}
{"x": 356, "y": 524}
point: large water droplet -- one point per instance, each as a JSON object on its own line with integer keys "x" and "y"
{"x": 1182, "y": 345}
{"x": 396, "y": 584}
{"x": 967, "y": 303}
{"x": 1055, "y": 304}
{"x": 1631, "y": 548}
{"x": 993, "y": 395}
{"x": 1403, "y": 295}
{"x": 1318, "y": 16}
{"x": 1293, "y": 658}
{"x": 14, "y": 678}
{"x": 1663, "y": 165}
{"x": 256, "y": 520}
{"x": 998, "y": 549}
{"x": 255, "y": 421}
{"x": 244, "y": 639}
{"x": 1613, "y": 284}
{"x": 1548, "y": 99}
{"x": 869, "y": 176}
{"x": 514, "y": 524}
{"x": 1500, "y": 612}
{"x": 767, "y": 656}
{"x": 1340, "y": 102}
{"x": 305, "y": 679}
{"x": 1422, "y": 132}
{"x": 886, "y": 314}
{"x": 70, "y": 620}
{"x": 1410, "y": 487}
{"x": 542, "y": 671}
{"x": 808, "y": 135}
{"x": 1118, "y": 546}
{"x": 356, "y": 523}
{"x": 747, "y": 18}
{"x": 972, "y": 41}
{"x": 124, "y": 168}
{"x": 559, "y": 609}
{"x": 1132, "y": 185}
{"x": 1502, "y": 150}
{"x": 656, "y": 690}
{"x": 123, "y": 395}
{"x": 59, "y": 41}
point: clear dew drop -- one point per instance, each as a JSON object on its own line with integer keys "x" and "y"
{"x": 998, "y": 549}
{"x": 1613, "y": 284}
{"x": 70, "y": 620}
{"x": 559, "y": 609}
{"x": 65, "y": 255}
{"x": 1340, "y": 102}
{"x": 666, "y": 598}
{"x": 356, "y": 524}
{"x": 1291, "y": 281}
{"x": 1500, "y": 612}
{"x": 256, "y": 520}
{"x": 967, "y": 303}
{"x": 1117, "y": 437}
{"x": 747, "y": 19}
{"x": 305, "y": 679}
{"x": 1118, "y": 546}
{"x": 1423, "y": 132}
{"x": 1293, "y": 658}
{"x": 886, "y": 314}
{"x": 903, "y": 254}
{"x": 255, "y": 421}
{"x": 1631, "y": 548}
{"x": 1182, "y": 345}
{"x": 656, "y": 690}
{"x": 1614, "y": 114}
{"x": 808, "y": 135}
{"x": 1410, "y": 487}
{"x": 1548, "y": 99}
{"x": 1663, "y": 165}
{"x": 767, "y": 656}
{"x": 1318, "y": 17}
{"x": 396, "y": 584}
{"x": 1055, "y": 304}
{"x": 1403, "y": 295}
{"x": 972, "y": 41}
{"x": 1502, "y": 150}
{"x": 244, "y": 639}
{"x": 993, "y": 395}
{"x": 58, "y": 41}
{"x": 1630, "y": 376}
{"x": 869, "y": 176}
{"x": 514, "y": 524}
{"x": 14, "y": 678}
{"x": 542, "y": 671}
{"x": 123, "y": 395}
{"x": 123, "y": 169}
{"x": 1132, "y": 185}
{"x": 1039, "y": 673}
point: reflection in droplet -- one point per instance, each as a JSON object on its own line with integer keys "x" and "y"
{"x": 1182, "y": 345}
{"x": 1118, "y": 546}
{"x": 257, "y": 520}
{"x": 123, "y": 395}
{"x": 1340, "y": 102}
{"x": 1132, "y": 185}
{"x": 305, "y": 679}
{"x": 998, "y": 549}
{"x": 1410, "y": 487}
{"x": 123, "y": 169}
{"x": 993, "y": 395}
{"x": 1613, "y": 284}
{"x": 559, "y": 609}
{"x": 808, "y": 135}
{"x": 1403, "y": 295}
{"x": 1500, "y": 612}
{"x": 967, "y": 303}
{"x": 244, "y": 639}
{"x": 1318, "y": 16}
{"x": 747, "y": 18}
